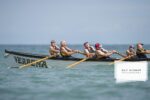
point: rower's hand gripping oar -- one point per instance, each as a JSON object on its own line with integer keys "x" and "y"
{"x": 29, "y": 64}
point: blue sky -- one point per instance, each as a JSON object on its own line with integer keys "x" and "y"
{"x": 76, "y": 21}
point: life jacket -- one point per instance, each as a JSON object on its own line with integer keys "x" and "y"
{"x": 140, "y": 54}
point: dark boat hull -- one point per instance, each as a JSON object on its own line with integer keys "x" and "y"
{"x": 38, "y": 56}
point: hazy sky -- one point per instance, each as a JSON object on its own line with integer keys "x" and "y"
{"x": 77, "y": 21}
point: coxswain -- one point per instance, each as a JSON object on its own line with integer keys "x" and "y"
{"x": 54, "y": 49}
{"x": 100, "y": 54}
{"x": 89, "y": 51}
{"x": 65, "y": 51}
{"x": 141, "y": 52}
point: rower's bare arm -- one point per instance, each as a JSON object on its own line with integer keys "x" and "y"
{"x": 108, "y": 54}
{"x": 67, "y": 53}
{"x": 57, "y": 47}
{"x": 87, "y": 54}
{"x": 53, "y": 50}
{"x": 104, "y": 50}
{"x": 104, "y": 54}
{"x": 128, "y": 53}
{"x": 147, "y": 51}
{"x": 68, "y": 49}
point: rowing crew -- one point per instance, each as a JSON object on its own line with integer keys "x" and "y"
{"x": 97, "y": 53}
{"x": 140, "y": 52}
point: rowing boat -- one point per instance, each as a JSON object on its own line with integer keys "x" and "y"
{"x": 25, "y": 58}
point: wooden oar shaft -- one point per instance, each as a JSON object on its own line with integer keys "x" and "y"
{"x": 124, "y": 58}
{"x": 81, "y": 52}
{"x": 77, "y": 63}
{"x": 120, "y": 54}
{"x": 29, "y": 64}
{"x": 121, "y": 59}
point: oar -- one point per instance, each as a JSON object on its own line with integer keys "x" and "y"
{"x": 125, "y": 58}
{"x": 72, "y": 65}
{"x": 121, "y": 54}
{"x": 29, "y": 64}
{"x": 80, "y": 52}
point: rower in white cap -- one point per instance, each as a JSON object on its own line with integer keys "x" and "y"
{"x": 65, "y": 51}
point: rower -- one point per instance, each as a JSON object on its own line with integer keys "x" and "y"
{"x": 54, "y": 49}
{"x": 100, "y": 54}
{"x": 89, "y": 50}
{"x": 141, "y": 52}
{"x": 65, "y": 51}
{"x": 131, "y": 51}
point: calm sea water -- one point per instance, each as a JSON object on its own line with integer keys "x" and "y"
{"x": 84, "y": 82}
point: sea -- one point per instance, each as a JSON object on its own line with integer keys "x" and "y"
{"x": 87, "y": 82}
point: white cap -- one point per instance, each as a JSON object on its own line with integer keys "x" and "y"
{"x": 63, "y": 42}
